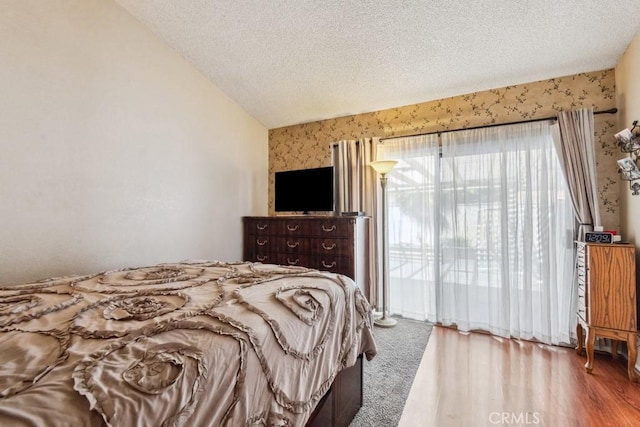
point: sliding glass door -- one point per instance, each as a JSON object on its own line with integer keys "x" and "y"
{"x": 480, "y": 232}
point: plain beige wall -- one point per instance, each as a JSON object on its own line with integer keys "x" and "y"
{"x": 628, "y": 103}
{"x": 114, "y": 150}
{"x": 628, "y": 100}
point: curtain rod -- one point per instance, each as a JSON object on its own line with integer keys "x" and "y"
{"x": 609, "y": 111}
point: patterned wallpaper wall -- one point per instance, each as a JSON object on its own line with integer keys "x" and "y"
{"x": 308, "y": 145}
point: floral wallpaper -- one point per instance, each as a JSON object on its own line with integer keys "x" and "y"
{"x": 308, "y": 145}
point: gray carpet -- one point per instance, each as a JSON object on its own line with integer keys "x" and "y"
{"x": 388, "y": 377}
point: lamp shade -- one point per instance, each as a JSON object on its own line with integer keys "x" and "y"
{"x": 383, "y": 166}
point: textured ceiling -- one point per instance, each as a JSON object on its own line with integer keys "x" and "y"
{"x": 292, "y": 61}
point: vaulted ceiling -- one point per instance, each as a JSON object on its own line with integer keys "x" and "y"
{"x": 293, "y": 61}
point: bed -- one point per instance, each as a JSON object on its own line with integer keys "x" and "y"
{"x": 193, "y": 343}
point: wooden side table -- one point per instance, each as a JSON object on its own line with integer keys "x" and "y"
{"x": 607, "y": 299}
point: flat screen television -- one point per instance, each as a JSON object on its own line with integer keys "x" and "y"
{"x": 304, "y": 190}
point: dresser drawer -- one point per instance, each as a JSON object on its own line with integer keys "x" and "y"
{"x": 292, "y": 227}
{"x": 582, "y": 313}
{"x": 331, "y": 246}
{"x": 299, "y": 260}
{"x": 334, "y": 264}
{"x": 582, "y": 307}
{"x": 581, "y": 257}
{"x": 261, "y": 227}
{"x": 330, "y": 229}
{"x": 292, "y": 244}
{"x": 582, "y": 289}
{"x": 262, "y": 249}
{"x": 263, "y": 243}
{"x": 265, "y": 258}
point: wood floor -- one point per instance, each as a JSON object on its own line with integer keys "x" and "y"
{"x": 480, "y": 380}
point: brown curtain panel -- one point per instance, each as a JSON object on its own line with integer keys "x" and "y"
{"x": 578, "y": 159}
{"x": 356, "y": 190}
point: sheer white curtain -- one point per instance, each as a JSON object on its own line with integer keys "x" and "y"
{"x": 489, "y": 233}
{"x": 507, "y": 247}
{"x": 413, "y": 225}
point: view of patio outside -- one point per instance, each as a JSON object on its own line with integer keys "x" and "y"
{"x": 460, "y": 241}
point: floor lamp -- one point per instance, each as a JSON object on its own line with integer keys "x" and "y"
{"x": 383, "y": 167}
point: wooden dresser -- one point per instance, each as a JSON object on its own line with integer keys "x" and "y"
{"x": 607, "y": 298}
{"x": 339, "y": 244}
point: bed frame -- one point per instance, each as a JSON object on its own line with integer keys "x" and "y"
{"x": 343, "y": 400}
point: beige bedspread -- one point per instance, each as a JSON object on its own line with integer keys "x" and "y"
{"x": 194, "y": 343}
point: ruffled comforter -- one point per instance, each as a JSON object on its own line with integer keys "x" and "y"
{"x": 195, "y": 343}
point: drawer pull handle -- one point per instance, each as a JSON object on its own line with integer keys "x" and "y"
{"x": 261, "y": 227}
{"x": 332, "y": 228}
{"x": 293, "y": 262}
{"x": 261, "y": 242}
{"x": 328, "y": 248}
{"x": 293, "y": 228}
{"x": 261, "y": 258}
{"x": 293, "y": 245}
{"x": 324, "y": 264}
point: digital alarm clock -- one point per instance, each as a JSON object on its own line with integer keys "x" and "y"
{"x": 598, "y": 237}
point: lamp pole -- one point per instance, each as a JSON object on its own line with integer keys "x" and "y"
{"x": 383, "y": 167}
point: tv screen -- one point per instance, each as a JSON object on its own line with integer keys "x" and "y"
{"x": 304, "y": 190}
